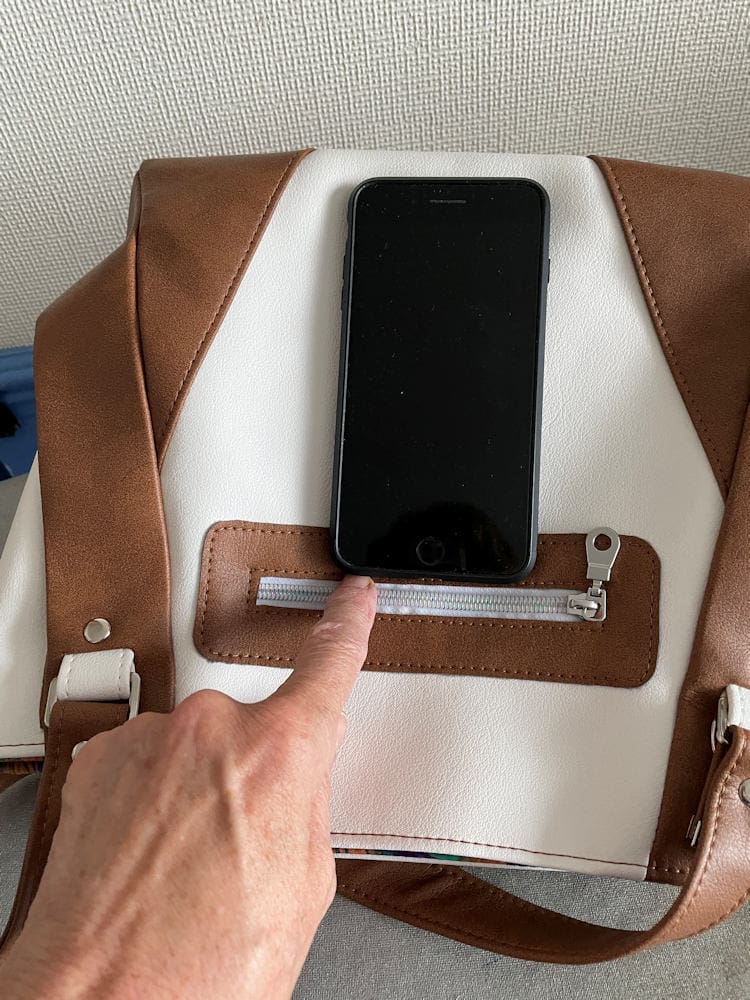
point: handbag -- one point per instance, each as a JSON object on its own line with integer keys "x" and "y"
{"x": 186, "y": 392}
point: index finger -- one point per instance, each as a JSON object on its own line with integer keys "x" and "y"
{"x": 332, "y": 655}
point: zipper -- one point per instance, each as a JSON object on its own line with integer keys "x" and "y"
{"x": 593, "y": 604}
{"x": 541, "y": 604}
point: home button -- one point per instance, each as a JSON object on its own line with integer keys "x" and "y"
{"x": 430, "y": 551}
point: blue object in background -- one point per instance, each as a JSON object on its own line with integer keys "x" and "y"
{"x": 17, "y": 412}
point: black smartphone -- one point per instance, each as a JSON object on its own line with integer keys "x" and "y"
{"x": 440, "y": 388}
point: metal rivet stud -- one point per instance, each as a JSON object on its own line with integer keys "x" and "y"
{"x": 744, "y": 791}
{"x": 97, "y": 630}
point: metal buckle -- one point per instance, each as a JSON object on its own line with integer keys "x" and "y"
{"x": 719, "y": 725}
{"x": 134, "y": 699}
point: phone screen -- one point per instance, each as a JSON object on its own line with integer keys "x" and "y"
{"x": 441, "y": 378}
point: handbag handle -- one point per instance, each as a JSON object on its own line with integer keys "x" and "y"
{"x": 105, "y": 539}
{"x": 457, "y": 905}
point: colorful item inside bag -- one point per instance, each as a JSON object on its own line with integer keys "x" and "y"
{"x": 17, "y": 412}
{"x": 529, "y": 735}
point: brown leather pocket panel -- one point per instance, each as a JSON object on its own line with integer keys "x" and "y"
{"x": 618, "y": 652}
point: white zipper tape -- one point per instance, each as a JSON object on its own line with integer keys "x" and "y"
{"x": 425, "y": 599}
{"x": 441, "y": 600}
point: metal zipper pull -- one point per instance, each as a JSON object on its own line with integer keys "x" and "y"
{"x": 592, "y": 605}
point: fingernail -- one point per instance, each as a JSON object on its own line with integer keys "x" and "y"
{"x": 358, "y": 582}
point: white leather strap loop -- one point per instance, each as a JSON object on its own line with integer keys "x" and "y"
{"x": 105, "y": 675}
{"x": 738, "y": 707}
{"x": 733, "y": 711}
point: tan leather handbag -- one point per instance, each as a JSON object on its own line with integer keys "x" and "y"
{"x": 186, "y": 400}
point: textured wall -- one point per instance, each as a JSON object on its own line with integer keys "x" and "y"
{"x": 90, "y": 87}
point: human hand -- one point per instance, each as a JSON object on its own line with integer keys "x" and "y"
{"x": 193, "y": 855}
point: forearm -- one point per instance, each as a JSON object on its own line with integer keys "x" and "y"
{"x": 110, "y": 950}
{"x": 30, "y": 972}
{"x": 41, "y": 963}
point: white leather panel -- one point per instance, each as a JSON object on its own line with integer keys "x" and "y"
{"x": 23, "y": 627}
{"x": 568, "y": 775}
{"x": 102, "y": 675}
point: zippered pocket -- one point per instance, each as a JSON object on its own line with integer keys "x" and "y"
{"x": 435, "y": 600}
{"x": 458, "y": 601}
{"x": 587, "y": 614}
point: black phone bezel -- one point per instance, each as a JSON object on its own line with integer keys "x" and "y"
{"x": 543, "y": 279}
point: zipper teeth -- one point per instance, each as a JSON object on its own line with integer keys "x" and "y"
{"x": 423, "y": 599}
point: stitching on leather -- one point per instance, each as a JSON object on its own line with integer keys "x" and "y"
{"x": 495, "y": 891}
{"x": 316, "y": 574}
{"x": 468, "y": 935}
{"x": 228, "y": 292}
{"x": 454, "y": 622}
{"x": 733, "y": 909}
{"x": 50, "y": 789}
{"x": 319, "y": 532}
{"x": 480, "y": 843}
{"x": 662, "y": 327}
{"x": 66, "y": 681}
{"x": 574, "y": 627}
{"x": 422, "y": 620}
{"x": 651, "y": 658}
{"x": 208, "y": 582}
{"x": 428, "y": 667}
{"x": 121, "y": 673}
{"x": 714, "y": 833}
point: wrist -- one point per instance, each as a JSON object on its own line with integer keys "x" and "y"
{"x": 36, "y": 967}
{"x": 42, "y": 962}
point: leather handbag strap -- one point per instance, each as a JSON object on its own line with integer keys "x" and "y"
{"x": 460, "y": 906}
{"x": 71, "y": 722}
{"x": 193, "y": 227}
{"x": 106, "y": 547}
{"x": 104, "y": 533}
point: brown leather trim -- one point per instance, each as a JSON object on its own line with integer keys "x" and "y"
{"x": 460, "y": 906}
{"x": 719, "y": 657}
{"x": 199, "y": 222}
{"x": 690, "y": 242}
{"x": 104, "y": 534}
{"x": 71, "y": 722}
{"x": 619, "y": 652}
